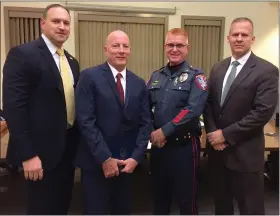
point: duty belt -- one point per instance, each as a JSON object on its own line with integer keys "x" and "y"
{"x": 179, "y": 138}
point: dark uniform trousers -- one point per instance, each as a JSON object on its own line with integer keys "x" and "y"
{"x": 246, "y": 187}
{"x": 53, "y": 194}
{"x": 174, "y": 170}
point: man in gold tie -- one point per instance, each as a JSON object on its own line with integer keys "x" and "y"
{"x": 67, "y": 86}
{"x": 38, "y": 100}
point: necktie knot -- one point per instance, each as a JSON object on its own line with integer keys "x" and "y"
{"x": 119, "y": 76}
{"x": 235, "y": 63}
{"x": 60, "y": 52}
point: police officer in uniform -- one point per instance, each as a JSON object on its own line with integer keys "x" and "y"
{"x": 178, "y": 93}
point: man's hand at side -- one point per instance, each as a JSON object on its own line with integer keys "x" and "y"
{"x": 33, "y": 169}
{"x": 157, "y": 138}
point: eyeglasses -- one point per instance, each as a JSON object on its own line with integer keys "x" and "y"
{"x": 178, "y": 46}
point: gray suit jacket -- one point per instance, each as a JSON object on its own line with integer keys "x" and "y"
{"x": 248, "y": 106}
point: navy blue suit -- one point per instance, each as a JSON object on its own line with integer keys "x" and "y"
{"x": 110, "y": 129}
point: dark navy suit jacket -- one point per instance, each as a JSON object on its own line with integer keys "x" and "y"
{"x": 109, "y": 128}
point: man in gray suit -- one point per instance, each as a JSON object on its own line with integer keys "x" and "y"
{"x": 243, "y": 92}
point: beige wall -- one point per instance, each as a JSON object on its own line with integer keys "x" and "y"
{"x": 266, "y": 25}
{"x": 17, "y": 4}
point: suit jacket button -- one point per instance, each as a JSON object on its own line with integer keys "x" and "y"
{"x": 123, "y": 153}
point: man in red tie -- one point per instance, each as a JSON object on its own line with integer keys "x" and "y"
{"x": 114, "y": 118}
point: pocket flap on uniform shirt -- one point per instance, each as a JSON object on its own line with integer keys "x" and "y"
{"x": 155, "y": 85}
{"x": 181, "y": 87}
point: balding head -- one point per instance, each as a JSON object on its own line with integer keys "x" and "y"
{"x": 117, "y": 49}
{"x": 116, "y": 34}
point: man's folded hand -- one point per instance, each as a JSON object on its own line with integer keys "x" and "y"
{"x": 110, "y": 168}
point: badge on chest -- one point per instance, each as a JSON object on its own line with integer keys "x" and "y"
{"x": 182, "y": 78}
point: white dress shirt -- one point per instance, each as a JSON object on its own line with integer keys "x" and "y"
{"x": 241, "y": 61}
{"x": 123, "y": 79}
{"x": 53, "y": 50}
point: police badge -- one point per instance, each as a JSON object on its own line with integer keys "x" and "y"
{"x": 183, "y": 77}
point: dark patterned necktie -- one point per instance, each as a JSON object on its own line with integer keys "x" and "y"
{"x": 119, "y": 87}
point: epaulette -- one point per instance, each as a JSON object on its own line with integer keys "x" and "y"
{"x": 193, "y": 68}
{"x": 153, "y": 73}
{"x": 197, "y": 70}
{"x": 159, "y": 70}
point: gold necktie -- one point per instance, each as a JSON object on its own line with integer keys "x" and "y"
{"x": 67, "y": 86}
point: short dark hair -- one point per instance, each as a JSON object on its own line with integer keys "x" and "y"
{"x": 53, "y": 6}
{"x": 242, "y": 19}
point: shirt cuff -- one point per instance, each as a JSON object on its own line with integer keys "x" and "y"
{"x": 107, "y": 159}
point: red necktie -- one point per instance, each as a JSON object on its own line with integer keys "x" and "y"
{"x": 119, "y": 87}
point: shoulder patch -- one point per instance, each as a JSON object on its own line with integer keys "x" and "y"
{"x": 201, "y": 81}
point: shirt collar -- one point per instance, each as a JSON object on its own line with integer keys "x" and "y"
{"x": 115, "y": 72}
{"x": 243, "y": 59}
{"x": 49, "y": 44}
{"x": 184, "y": 67}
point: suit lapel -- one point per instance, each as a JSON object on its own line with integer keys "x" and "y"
{"x": 243, "y": 74}
{"x": 109, "y": 76}
{"x": 51, "y": 63}
{"x": 129, "y": 86}
{"x": 73, "y": 67}
{"x": 221, "y": 76}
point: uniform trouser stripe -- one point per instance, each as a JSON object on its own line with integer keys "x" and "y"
{"x": 195, "y": 163}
